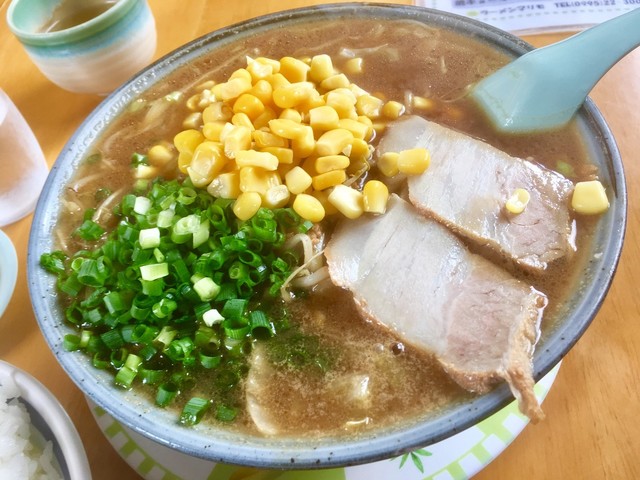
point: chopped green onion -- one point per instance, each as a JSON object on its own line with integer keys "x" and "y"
{"x": 154, "y": 271}
{"x": 142, "y": 205}
{"x": 89, "y": 230}
{"x": 166, "y": 393}
{"x": 178, "y": 286}
{"x": 206, "y": 289}
{"x": 211, "y": 317}
{"x": 194, "y": 410}
{"x": 149, "y": 238}
{"x": 53, "y": 262}
{"x": 225, "y": 413}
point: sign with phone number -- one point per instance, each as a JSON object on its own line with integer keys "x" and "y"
{"x": 536, "y": 16}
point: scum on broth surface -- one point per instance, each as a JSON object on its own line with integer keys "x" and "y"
{"x": 400, "y": 57}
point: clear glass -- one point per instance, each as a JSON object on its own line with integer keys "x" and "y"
{"x": 23, "y": 168}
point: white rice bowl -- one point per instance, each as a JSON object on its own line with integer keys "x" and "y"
{"x": 38, "y": 441}
{"x": 22, "y": 453}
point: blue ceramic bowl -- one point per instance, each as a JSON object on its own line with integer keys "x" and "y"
{"x": 208, "y": 442}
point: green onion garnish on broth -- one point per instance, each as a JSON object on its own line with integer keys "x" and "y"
{"x": 178, "y": 288}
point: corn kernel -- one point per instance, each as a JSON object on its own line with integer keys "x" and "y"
{"x": 286, "y": 128}
{"x": 207, "y": 97}
{"x": 233, "y": 88}
{"x": 159, "y": 155}
{"x": 392, "y": 109}
{"x": 275, "y": 64}
{"x": 321, "y": 67}
{"x": 277, "y": 80}
{"x": 206, "y": 85}
{"x": 258, "y": 70}
{"x": 388, "y": 164}
{"x": 358, "y": 129}
{"x": 255, "y": 179}
{"x": 589, "y": 198}
{"x": 237, "y": 138}
{"x": 331, "y": 162}
{"x": 422, "y": 103}
{"x": 305, "y": 145}
{"x": 357, "y": 91}
{"x": 225, "y": 185}
{"x": 262, "y": 121}
{"x": 184, "y": 159}
{"x": 249, "y": 104}
{"x": 360, "y": 150}
{"x": 297, "y": 180}
{"x": 353, "y": 66}
{"x": 263, "y": 91}
{"x": 264, "y": 139}
{"x": 292, "y": 95}
{"x": 192, "y": 102}
{"x": 323, "y": 118}
{"x": 369, "y": 123}
{"x": 518, "y": 201}
{"x": 333, "y": 142}
{"x": 242, "y": 120}
{"x": 369, "y": 105}
{"x": 247, "y": 205}
{"x": 187, "y": 140}
{"x": 241, "y": 73}
{"x": 308, "y": 207}
{"x": 291, "y": 114}
{"x": 339, "y": 80}
{"x": 347, "y": 200}
{"x": 284, "y": 155}
{"x": 315, "y": 100}
{"x": 328, "y": 179}
{"x": 146, "y": 171}
{"x": 216, "y": 112}
{"x": 323, "y": 198}
{"x": 193, "y": 120}
{"x": 293, "y": 69}
{"x": 253, "y": 158}
{"x": 379, "y": 127}
{"x": 208, "y": 160}
{"x": 309, "y": 165}
{"x": 375, "y": 195}
{"x": 276, "y": 197}
{"x": 413, "y": 161}
{"x": 212, "y": 130}
{"x": 341, "y": 102}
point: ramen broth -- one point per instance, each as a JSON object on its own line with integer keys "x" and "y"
{"x": 400, "y": 59}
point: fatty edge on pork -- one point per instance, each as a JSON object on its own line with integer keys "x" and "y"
{"x": 412, "y": 275}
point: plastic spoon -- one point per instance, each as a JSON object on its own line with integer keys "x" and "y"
{"x": 544, "y": 88}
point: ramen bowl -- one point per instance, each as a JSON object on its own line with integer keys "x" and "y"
{"x": 137, "y": 412}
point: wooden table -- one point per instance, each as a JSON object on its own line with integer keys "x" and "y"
{"x": 592, "y": 430}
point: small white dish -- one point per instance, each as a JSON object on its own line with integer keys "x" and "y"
{"x": 8, "y": 270}
{"x": 51, "y": 421}
{"x": 456, "y": 458}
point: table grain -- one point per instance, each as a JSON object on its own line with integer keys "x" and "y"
{"x": 592, "y": 429}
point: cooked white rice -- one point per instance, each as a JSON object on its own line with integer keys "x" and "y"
{"x": 22, "y": 457}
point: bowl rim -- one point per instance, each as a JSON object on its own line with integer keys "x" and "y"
{"x": 383, "y": 444}
{"x": 8, "y": 271}
{"x": 47, "y": 406}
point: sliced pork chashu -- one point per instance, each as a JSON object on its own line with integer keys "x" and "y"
{"x": 412, "y": 275}
{"x": 468, "y": 183}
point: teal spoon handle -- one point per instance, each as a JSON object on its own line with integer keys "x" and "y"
{"x": 544, "y": 88}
